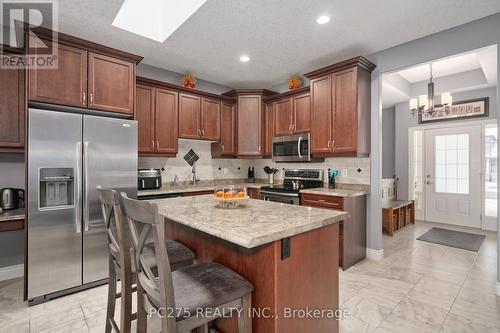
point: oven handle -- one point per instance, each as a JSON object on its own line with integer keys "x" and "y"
{"x": 298, "y": 147}
{"x": 283, "y": 194}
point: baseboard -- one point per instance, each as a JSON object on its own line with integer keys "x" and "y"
{"x": 11, "y": 272}
{"x": 498, "y": 288}
{"x": 377, "y": 255}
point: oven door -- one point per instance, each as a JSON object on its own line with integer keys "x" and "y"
{"x": 289, "y": 198}
{"x": 292, "y": 148}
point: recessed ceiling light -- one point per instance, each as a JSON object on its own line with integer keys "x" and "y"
{"x": 244, "y": 58}
{"x": 323, "y": 19}
{"x": 157, "y": 19}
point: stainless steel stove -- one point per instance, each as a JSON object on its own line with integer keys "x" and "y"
{"x": 294, "y": 181}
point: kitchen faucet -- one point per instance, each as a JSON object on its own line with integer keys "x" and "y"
{"x": 193, "y": 171}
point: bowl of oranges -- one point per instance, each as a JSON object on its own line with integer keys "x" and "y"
{"x": 230, "y": 196}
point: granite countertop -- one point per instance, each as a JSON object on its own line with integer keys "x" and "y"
{"x": 167, "y": 189}
{"x": 254, "y": 223}
{"x": 335, "y": 192}
{"x": 12, "y": 215}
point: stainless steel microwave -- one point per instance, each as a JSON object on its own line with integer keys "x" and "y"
{"x": 293, "y": 148}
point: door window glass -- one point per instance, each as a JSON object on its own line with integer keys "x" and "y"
{"x": 452, "y": 163}
{"x": 490, "y": 179}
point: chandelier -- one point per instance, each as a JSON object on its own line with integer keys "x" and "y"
{"x": 424, "y": 105}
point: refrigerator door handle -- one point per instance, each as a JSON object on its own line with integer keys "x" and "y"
{"x": 78, "y": 218}
{"x": 85, "y": 186}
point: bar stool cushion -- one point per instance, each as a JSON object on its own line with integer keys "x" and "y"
{"x": 205, "y": 285}
{"x": 179, "y": 255}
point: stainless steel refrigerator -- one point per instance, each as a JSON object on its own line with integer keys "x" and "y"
{"x": 69, "y": 154}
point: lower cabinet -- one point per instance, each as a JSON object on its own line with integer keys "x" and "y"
{"x": 253, "y": 192}
{"x": 352, "y": 232}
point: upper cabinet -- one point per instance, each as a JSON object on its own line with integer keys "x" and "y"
{"x": 292, "y": 113}
{"x": 199, "y": 117}
{"x": 157, "y": 115}
{"x": 12, "y": 109}
{"x": 227, "y": 145}
{"x": 111, "y": 84}
{"x": 250, "y": 121}
{"x": 268, "y": 129}
{"x": 340, "y": 109}
{"x": 87, "y": 75}
{"x": 65, "y": 85}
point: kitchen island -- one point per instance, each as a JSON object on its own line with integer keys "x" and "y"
{"x": 289, "y": 253}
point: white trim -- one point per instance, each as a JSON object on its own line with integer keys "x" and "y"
{"x": 11, "y": 272}
{"x": 377, "y": 255}
{"x": 497, "y": 291}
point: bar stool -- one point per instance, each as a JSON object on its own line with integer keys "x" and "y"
{"x": 120, "y": 261}
{"x": 177, "y": 296}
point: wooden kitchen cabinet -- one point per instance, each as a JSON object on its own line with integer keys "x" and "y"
{"x": 283, "y": 118}
{"x": 12, "y": 109}
{"x": 87, "y": 75}
{"x": 145, "y": 116}
{"x": 352, "y": 231}
{"x": 189, "y": 116}
{"x": 250, "y": 121}
{"x": 268, "y": 130}
{"x": 227, "y": 145}
{"x": 301, "y": 112}
{"x": 111, "y": 84}
{"x": 340, "y": 109}
{"x": 210, "y": 119}
{"x": 65, "y": 85}
{"x": 253, "y": 192}
{"x": 157, "y": 117}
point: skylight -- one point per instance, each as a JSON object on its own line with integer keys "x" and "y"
{"x": 155, "y": 19}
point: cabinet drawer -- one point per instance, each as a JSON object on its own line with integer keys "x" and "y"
{"x": 323, "y": 201}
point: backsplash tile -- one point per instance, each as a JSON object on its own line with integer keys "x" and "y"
{"x": 210, "y": 169}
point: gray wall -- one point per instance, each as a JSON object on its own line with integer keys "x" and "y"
{"x": 404, "y": 120}
{"x": 464, "y": 38}
{"x": 11, "y": 242}
{"x": 174, "y": 78}
{"x": 388, "y": 142}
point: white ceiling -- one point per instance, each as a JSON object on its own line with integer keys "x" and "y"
{"x": 469, "y": 71}
{"x": 280, "y": 36}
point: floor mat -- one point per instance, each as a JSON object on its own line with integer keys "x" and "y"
{"x": 458, "y": 239}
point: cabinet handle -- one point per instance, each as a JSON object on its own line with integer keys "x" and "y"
{"x": 157, "y": 144}
{"x": 328, "y": 144}
{"x": 202, "y": 132}
{"x": 91, "y": 98}
{"x": 259, "y": 148}
{"x": 84, "y": 98}
{"x": 333, "y": 144}
{"x": 293, "y": 127}
{"x": 153, "y": 143}
{"x": 222, "y": 147}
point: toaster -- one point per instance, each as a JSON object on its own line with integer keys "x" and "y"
{"x": 149, "y": 179}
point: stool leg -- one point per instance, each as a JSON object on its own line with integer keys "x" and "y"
{"x": 244, "y": 320}
{"x": 141, "y": 313}
{"x": 126, "y": 301}
{"x": 110, "y": 312}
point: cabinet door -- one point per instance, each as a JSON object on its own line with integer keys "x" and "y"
{"x": 283, "y": 117}
{"x": 12, "y": 108}
{"x": 145, "y": 116}
{"x": 189, "y": 116}
{"x": 111, "y": 84}
{"x": 228, "y": 129}
{"x": 249, "y": 125}
{"x": 345, "y": 115}
{"x": 301, "y": 106}
{"x": 166, "y": 127}
{"x": 268, "y": 129}
{"x": 321, "y": 115}
{"x": 65, "y": 85}
{"x": 210, "y": 119}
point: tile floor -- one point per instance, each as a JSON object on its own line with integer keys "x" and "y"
{"x": 418, "y": 287}
{"x": 423, "y": 287}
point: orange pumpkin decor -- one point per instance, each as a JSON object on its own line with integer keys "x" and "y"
{"x": 188, "y": 80}
{"x": 294, "y": 82}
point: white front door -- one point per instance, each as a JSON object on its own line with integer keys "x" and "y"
{"x": 453, "y": 175}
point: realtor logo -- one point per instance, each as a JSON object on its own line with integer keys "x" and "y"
{"x": 21, "y": 43}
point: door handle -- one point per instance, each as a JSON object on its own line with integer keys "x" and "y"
{"x": 78, "y": 188}
{"x": 428, "y": 182}
{"x": 298, "y": 147}
{"x": 85, "y": 179}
